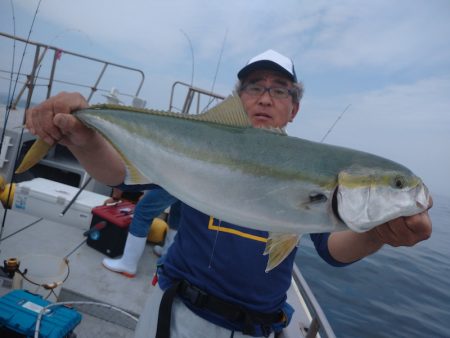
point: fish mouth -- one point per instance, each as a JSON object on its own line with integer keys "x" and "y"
{"x": 424, "y": 200}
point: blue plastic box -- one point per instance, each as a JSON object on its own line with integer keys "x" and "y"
{"x": 19, "y": 310}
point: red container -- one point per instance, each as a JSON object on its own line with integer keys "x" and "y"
{"x": 109, "y": 228}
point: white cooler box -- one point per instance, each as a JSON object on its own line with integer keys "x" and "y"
{"x": 44, "y": 198}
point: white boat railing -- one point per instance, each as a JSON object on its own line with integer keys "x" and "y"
{"x": 193, "y": 92}
{"x": 319, "y": 324}
{"x": 43, "y": 52}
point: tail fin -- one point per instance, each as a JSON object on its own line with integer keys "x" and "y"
{"x": 36, "y": 153}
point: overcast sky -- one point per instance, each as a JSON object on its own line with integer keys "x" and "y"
{"x": 389, "y": 60}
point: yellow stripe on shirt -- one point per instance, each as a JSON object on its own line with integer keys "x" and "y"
{"x": 213, "y": 227}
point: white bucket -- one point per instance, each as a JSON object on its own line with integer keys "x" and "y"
{"x": 43, "y": 269}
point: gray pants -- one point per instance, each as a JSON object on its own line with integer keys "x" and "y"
{"x": 184, "y": 323}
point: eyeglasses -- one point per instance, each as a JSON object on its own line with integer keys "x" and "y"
{"x": 275, "y": 92}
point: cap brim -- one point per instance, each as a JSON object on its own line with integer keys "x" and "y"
{"x": 264, "y": 64}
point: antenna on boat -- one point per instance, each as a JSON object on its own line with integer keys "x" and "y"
{"x": 334, "y": 124}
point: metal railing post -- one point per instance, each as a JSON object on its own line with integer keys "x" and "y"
{"x": 52, "y": 73}
{"x": 30, "y": 80}
{"x": 94, "y": 88}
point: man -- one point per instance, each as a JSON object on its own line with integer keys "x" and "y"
{"x": 214, "y": 271}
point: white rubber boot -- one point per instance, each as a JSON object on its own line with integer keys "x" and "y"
{"x": 127, "y": 264}
{"x": 162, "y": 250}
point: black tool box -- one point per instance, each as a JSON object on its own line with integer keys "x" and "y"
{"x": 109, "y": 228}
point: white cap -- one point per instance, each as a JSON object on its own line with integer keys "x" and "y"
{"x": 270, "y": 59}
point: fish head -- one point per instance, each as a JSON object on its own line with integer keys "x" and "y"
{"x": 367, "y": 197}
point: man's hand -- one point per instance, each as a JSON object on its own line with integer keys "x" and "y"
{"x": 404, "y": 231}
{"x": 348, "y": 246}
{"x": 52, "y": 122}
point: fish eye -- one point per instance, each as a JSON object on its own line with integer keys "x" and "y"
{"x": 317, "y": 197}
{"x": 399, "y": 182}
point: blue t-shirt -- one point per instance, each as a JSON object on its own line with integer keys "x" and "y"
{"x": 227, "y": 261}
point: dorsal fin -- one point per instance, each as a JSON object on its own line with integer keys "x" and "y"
{"x": 281, "y": 131}
{"x": 229, "y": 112}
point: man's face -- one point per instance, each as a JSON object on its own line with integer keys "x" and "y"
{"x": 264, "y": 110}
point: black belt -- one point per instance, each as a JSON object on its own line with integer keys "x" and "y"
{"x": 202, "y": 300}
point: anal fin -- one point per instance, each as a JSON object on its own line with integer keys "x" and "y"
{"x": 278, "y": 247}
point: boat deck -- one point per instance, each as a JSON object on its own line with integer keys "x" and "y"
{"x": 88, "y": 280}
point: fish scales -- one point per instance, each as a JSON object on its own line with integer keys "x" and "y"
{"x": 238, "y": 168}
{"x": 222, "y": 171}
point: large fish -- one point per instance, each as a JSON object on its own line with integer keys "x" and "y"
{"x": 263, "y": 179}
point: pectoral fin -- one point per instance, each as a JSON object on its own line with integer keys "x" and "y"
{"x": 278, "y": 247}
{"x": 36, "y": 153}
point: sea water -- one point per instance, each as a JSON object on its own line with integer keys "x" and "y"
{"x": 397, "y": 292}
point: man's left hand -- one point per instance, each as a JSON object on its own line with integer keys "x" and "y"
{"x": 404, "y": 231}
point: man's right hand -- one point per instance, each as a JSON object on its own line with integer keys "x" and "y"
{"x": 52, "y": 120}
{"x": 53, "y": 123}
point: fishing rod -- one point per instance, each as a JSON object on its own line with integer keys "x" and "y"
{"x": 93, "y": 233}
{"x": 217, "y": 69}
{"x": 9, "y": 104}
{"x": 192, "y": 55}
{"x": 207, "y": 106}
{"x": 21, "y": 229}
{"x": 12, "y": 65}
{"x": 220, "y": 60}
{"x": 334, "y": 124}
{"x": 11, "y": 95}
{"x": 75, "y": 197}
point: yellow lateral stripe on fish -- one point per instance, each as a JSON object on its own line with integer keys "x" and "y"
{"x": 355, "y": 178}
